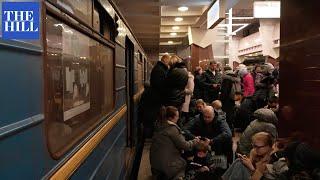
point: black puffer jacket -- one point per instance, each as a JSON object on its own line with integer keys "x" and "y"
{"x": 200, "y": 86}
{"x": 211, "y": 94}
{"x": 158, "y": 77}
{"x": 175, "y": 84}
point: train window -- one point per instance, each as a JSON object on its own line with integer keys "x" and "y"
{"x": 79, "y": 85}
{"x": 103, "y": 22}
{"x": 81, "y": 8}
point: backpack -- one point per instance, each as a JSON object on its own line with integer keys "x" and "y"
{"x": 236, "y": 87}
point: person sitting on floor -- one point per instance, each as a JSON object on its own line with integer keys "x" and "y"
{"x": 254, "y": 166}
{"x": 217, "y": 105}
{"x": 201, "y": 163}
{"x": 167, "y": 144}
{"x": 265, "y": 121}
{"x": 213, "y": 126}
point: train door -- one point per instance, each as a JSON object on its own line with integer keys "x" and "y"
{"x": 130, "y": 90}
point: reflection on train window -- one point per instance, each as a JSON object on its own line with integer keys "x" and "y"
{"x": 79, "y": 83}
{"x": 81, "y": 8}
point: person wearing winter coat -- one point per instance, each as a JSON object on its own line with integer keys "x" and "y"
{"x": 253, "y": 166}
{"x": 153, "y": 95}
{"x": 265, "y": 121}
{"x": 175, "y": 84}
{"x": 167, "y": 144}
{"x": 244, "y": 112}
{"x": 229, "y": 85}
{"x": 212, "y": 126}
{"x": 247, "y": 81}
{"x": 189, "y": 91}
{"x": 264, "y": 84}
{"x": 212, "y": 83}
{"x": 199, "y": 85}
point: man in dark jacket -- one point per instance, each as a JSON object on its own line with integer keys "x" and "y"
{"x": 152, "y": 97}
{"x": 228, "y": 89}
{"x": 159, "y": 74}
{"x": 212, "y": 83}
{"x": 214, "y": 127}
{"x": 199, "y": 86}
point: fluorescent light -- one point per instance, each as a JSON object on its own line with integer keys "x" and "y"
{"x": 170, "y": 42}
{"x": 178, "y": 19}
{"x": 183, "y": 8}
{"x": 175, "y": 27}
{"x": 266, "y": 9}
{"x": 239, "y": 29}
{"x": 173, "y": 34}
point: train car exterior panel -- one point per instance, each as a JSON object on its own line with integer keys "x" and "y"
{"x": 21, "y": 79}
{"x": 106, "y": 155}
{"x": 27, "y": 151}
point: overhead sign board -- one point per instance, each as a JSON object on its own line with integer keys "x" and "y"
{"x": 216, "y": 14}
{"x": 266, "y": 9}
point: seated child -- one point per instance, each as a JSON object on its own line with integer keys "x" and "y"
{"x": 203, "y": 163}
{"x": 217, "y": 105}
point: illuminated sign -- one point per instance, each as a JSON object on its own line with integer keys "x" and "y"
{"x": 266, "y": 9}
{"x": 20, "y": 20}
{"x": 216, "y": 14}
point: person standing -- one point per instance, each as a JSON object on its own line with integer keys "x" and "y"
{"x": 229, "y": 86}
{"x": 152, "y": 97}
{"x": 248, "y": 82}
{"x": 189, "y": 91}
{"x": 199, "y": 87}
{"x": 175, "y": 83}
{"x": 213, "y": 82}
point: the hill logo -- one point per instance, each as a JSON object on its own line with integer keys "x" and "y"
{"x": 20, "y": 20}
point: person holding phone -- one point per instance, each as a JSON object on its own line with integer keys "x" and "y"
{"x": 254, "y": 166}
{"x": 212, "y": 126}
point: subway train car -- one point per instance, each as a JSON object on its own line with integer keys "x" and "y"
{"x": 69, "y": 100}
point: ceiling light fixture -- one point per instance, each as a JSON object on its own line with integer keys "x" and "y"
{"x": 173, "y": 34}
{"x": 175, "y": 27}
{"x": 178, "y": 19}
{"x": 170, "y": 42}
{"x": 183, "y": 8}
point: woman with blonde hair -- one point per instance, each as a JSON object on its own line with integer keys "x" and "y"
{"x": 254, "y": 166}
{"x": 174, "y": 59}
{"x": 176, "y": 82}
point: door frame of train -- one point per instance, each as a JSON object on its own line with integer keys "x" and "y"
{"x": 130, "y": 89}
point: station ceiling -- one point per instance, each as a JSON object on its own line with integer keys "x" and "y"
{"x": 155, "y": 25}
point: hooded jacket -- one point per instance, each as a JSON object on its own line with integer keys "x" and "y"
{"x": 265, "y": 121}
